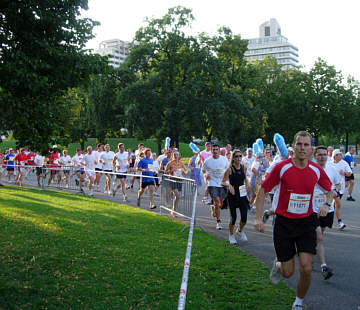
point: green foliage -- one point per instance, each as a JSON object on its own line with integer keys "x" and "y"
{"x": 42, "y": 55}
{"x": 61, "y": 251}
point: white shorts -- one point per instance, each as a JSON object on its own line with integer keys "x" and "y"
{"x": 90, "y": 174}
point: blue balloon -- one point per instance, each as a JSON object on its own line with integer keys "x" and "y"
{"x": 260, "y": 144}
{"x": 255, "y": 149}
{"x": 194, "y": 147}
{"x": 280, "y": 143}
{"x": 167, "y": 144}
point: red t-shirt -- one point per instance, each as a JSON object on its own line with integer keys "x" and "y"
{"x": 53, "y": 159}
{"x": 20, "y": 159}
{"x": 30, "y": 159}
{"x": 293, "y": 199}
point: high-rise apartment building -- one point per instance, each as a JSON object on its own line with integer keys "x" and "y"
{"x": 117, "y": 50}
{"x": 272, "y": 43}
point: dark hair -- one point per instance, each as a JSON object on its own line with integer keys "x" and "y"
{"x": 99, "y": 145}
{"x": 215, "y": 144}
{"x": 302, "y": 133}
{"x": 320, "y": 147}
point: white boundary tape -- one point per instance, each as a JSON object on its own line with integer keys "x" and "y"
{"x": 185, "y": 277}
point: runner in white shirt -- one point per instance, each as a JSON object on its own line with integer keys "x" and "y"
{"x": 106, "y": 158}
{"x": 65, "y": 162}
{"x": 343, "y": 169}
{"x": 39, "y": 163}
{"x": 318, "y": 200}
{"x": 121, "y": 162}
{"x": 247, "y": 161}
{"x": 330, "y": 150}
{"x": 205, "y": 154}
{"x": 98, "y": 166}
{"x": 214, "y": 168}
{"x": 79, "y": 168}
{"x": 90, "y": 163}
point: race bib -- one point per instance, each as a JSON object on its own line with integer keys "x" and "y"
{"x": 151, "y": 167}
{"x": 299, "y": 203}
{"x": 319, "y": 201}
{"x": 177, "y": 172}
{"x": 242, "y": 191}
{"x": 218, "y": 173}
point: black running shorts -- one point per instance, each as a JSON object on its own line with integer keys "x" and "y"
{"x": 325, "y": 221}
{"x": 293, "y": 236}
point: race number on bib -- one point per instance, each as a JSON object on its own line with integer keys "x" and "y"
{"x": 242, "y": 191}
{"x": 299, "y": 203}
{"x": 151, "y": 167}
{"x": 319, "y": 201}
{"x": 177, "y": 172}
{"x": 218, "y": 173}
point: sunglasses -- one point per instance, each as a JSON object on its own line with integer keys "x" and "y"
{"x": 237, "y": 156}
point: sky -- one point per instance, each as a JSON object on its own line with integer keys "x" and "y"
{"x": 328, "y": 29}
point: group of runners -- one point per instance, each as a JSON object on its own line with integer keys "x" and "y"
{"x": 89, "y": 166}
{"x": 305, "y": 187}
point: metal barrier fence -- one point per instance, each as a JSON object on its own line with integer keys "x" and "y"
{"x": 177, "y": 195}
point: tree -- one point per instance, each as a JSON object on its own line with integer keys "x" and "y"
{"x": 42, "y": 55}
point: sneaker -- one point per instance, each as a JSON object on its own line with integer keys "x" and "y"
{"x": 128, "y": 186}
{"x": 91, "y": 193}
{"x": 232, "y": 239}
{"x": 156, "y": 194}
{"x": 213, "y": 213}
{"x": 242, "y": 236}
{"x": 350, "y": 199}
{"x": 275, "y": 275}
{"x": 125, "y": 198}
{"x": 265, "y": 216}
{"x": 327, "y": 272}
{"x": 77, "y": 182}
{"x": 114, "y": 192}
{"x": 341, "y": 225}
{"x": 109, "y": 192}
{"x": 138, "y": 202}
{"x": 152, "y": 207}
{"x": 218, "y": 226}
{"x": 298, "y": 307}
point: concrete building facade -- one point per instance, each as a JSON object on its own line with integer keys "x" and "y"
{"x": 117, "y": 50}
{"x": 271, "y": 42}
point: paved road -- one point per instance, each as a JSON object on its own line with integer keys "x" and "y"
{"x": 342, "y": 291}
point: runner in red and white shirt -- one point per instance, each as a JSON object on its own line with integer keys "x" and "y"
{"x": 2, "y": 167}
{"x": 53, "y": 162}
{"x": 20, "y": 161}
{"x": 295, "y": 223}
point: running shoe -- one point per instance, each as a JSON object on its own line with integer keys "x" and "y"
{"x": 327, "y": 272}
{"x": 125, "y": 198}
{"x": 138, "y": 202}
{"x": 350, "y": 198}
{"x": 77, "y": 182}
{"x": 114, "y": 192}
{"x": 275, "y": 275}
{"x": 232, "y": 239}
{"x": 91, "y": 193}
{"x": 156, "y": 194}
{"x": 243, "y": 236}
{"x": 341, "y": 225}
{"x": 152, "y": 207}
{"x": 265, "y": 216}
{"x": 218, "y": 226}
{"x": 128, "y": 186}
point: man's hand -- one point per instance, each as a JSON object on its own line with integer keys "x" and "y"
{"x": 323, "y": 211}
{"x": 259, "y": 225}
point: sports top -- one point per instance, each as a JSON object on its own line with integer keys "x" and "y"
{"x": 294, "y": 197}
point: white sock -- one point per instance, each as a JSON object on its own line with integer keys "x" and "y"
{"x": 323, "y": 265}
{"x": 298, "y": 301}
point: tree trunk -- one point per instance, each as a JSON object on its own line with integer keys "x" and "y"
{"x": 159, "y": 147}
{"x": 346, "y": 141}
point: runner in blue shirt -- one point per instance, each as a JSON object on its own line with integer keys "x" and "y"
{"x": 349, "y": 181}
{"x": 10, "y": 163}
{"x": 146, "y": 166}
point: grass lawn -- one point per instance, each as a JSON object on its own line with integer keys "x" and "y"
{"x": 62, "y": 251}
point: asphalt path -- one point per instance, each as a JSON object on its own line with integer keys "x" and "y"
{"x": 342, "y": 291}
